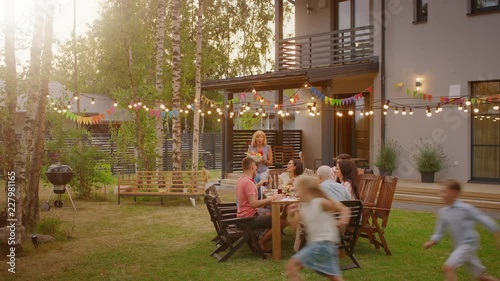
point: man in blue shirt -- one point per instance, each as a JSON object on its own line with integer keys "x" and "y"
{"x": 330, "y": 187}
{"x": 459, "y": 219}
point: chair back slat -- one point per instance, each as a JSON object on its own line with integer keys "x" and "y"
{"x": 385, "y": 197}
{"x": 275, "y": 177}
{"x": 368, "y": 188}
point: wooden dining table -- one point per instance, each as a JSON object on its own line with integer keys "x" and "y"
{"x": 276, "y": 227}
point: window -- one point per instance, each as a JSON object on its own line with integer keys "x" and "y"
{"x": 486, "y": 131}
{"x": 421, "y": 11}
{"x": 483, "y": 6}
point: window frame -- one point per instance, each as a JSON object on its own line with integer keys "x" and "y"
{"x": 418, "y": 17}
{"x": 472, "y": 8}
{"x": 473, "y": 145}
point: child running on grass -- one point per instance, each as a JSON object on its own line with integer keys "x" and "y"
{"x": 321, "y": 251}
{"x": 459, "y": 219}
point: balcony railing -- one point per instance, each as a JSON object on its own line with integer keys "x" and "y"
{"x": 338, "y": 47}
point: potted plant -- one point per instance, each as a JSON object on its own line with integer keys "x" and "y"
{"x": 428, "y": 158}
{"x": 387, "y": 156}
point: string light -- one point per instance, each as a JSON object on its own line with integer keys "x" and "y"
{"x": 257, "y": 113}
{"x": 468, "y": 103}
{"x": 385, "y": 112}
{"x": 371, "y": 111}
{"x": 287, "y": 113}
{"x": 496, "y": 107}
{"x": 69, "y": 105}
{"x": 429, "y": 113}
{"x": 386, "y": 105}
{"x": 75, "y": 96}
{"x": 476, "y": 110}
{"x": 247, "y": 107}
{"x": 460, "y": 106}
{"x": 209, "y": 112}
{"x": 404, "y": 111}
{"x": 350, "y": 112}
{"x": 130, "y": 106}
{"x": 92, "y": 101}
{"x": 465, "y": 109}
{"x": 396, "y": 110}
{"x": 115, "y": 104}
{"x": 361, "y": 113}
{"x": 297, "y": 110}
{"x": 411, "y": 111}
{"x": 139, "y": 103}
{"x": 189, "y": 106}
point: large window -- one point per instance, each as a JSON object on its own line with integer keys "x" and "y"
{"x": 420, "y": 11}
{"x": 483, "y": 6}
{"x": 486, "y": 132}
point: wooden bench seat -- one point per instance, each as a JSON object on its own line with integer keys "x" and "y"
{"x": 162, "y": 184}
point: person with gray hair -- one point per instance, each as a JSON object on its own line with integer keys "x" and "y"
{"x": 330, "y": 187}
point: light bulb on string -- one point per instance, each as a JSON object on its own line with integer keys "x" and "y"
{"x": 476, "y": 110}
{"x": 199, "y": 110}
{"x": 75, "y": 97}
{"x": 92, "y": 101}
{"x": 181, "y": 110}
{"x": 139, "y": 103}
{"x": 297, "y": 111}
{"x": 287, "y": 113}
{"x": 115, "y": 104}
{"x": 361, "y": 113}
{"x": 367, "y": 113}
{"x": 212, "y": 105}
{"x": 396, "y": 111}
{"x": 429, "y": 113}
{"x": 218, "y": 109}
{"x": 386, "y": 105}
{"x": 209, "y": 112}
{"x": 218, "y": 119}
{"x": 436, "y": 110}
{"x": 69, "y": 105}
{"x": 411, "y": 111}
{"x": 189, "y": 106}
{"x": 404, "y": 111}
{"x": 439, "y": 107}
{"x": 460, "y": 106}
{"x": 247, "y": 107}
{"x": 203, "y": 114}
{"x": 130, "y": 106}
{"x": 468, "y": 103}
{"x": 318, "y": 113}
{"x": 257, "y": 113}
{"x": 313, "y": 106}
{"x": 371, "y": 111}
{"x": 465, "y": 109}
{"x": 496, "y": 107}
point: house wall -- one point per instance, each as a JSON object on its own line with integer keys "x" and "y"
{"x": 317, "y": 21}
{"x": 451, "y": 48}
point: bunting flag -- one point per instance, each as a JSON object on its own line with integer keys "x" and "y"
{"x": 339, "y": 102}
{"x": 419, "y": 95}
{"x": 398, "y": 85}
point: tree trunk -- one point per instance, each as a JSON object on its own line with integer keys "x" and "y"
{"x": 160, "y": 37}
{"x": 23, "y": 156}
{"x": 30, "y": 205}
{"x": 139, "y": 134}
{"x": 176, "y": 88}
{"x": 196, "y": 117}
{"x": 9, "y": 128}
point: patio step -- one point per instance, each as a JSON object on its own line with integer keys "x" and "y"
{"x": 417, "y": 193}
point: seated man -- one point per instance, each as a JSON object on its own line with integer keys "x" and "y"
{"x": 249, "y": 205}
{"x": 330, "y": 187}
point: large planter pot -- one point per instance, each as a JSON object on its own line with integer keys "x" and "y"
{"x": 427, "y": 177}
{"x": 385, "y": 172}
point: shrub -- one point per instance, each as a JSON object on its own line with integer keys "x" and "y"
{"x": 387, "y": 155}
{"x": 428, "y": 156}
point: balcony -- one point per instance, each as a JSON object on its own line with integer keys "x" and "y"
{"x": 335, "y": 48}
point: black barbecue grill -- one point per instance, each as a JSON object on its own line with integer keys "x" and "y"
{"x": 58, "y": 175}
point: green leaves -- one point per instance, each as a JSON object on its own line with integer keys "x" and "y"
{"x": 387, "y": 155}
{"x": 428, "y": 156}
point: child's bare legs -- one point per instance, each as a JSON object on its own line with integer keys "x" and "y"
{"x": 292, "y": 269}
{"x": 449, "y": 273}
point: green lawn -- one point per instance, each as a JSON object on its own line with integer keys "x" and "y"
{"x": 148, "y": 241}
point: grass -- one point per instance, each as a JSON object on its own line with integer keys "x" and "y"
{"x": 149, "y": 241}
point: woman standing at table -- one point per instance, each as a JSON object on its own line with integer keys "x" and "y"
{"x": 259, "y": 145}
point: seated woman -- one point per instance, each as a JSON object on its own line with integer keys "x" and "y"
{"x": 347, "y": 172}
{"x": 295, "y": 168}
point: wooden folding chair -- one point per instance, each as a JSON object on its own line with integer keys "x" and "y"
{"x": 349, "y": 238}
{"x": 368, "y": 188}
{"x": 232, "y": 232}
{"x": 229, "y": 210}
{"x": 370, "y": 228}
{"x": 275, "y": 177}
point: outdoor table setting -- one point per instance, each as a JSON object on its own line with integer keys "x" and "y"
{"x": 276, "y": 206}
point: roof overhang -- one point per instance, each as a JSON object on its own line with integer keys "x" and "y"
{"x": 289, "y": 79}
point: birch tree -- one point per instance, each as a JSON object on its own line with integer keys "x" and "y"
{"x": 176, "y": 87}
{"x": 160, "y": 38}
{"x": 196, "y": 119}
{"x": 30, "y": 203}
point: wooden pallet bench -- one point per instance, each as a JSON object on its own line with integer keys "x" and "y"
{"x": 163, "y": 184}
